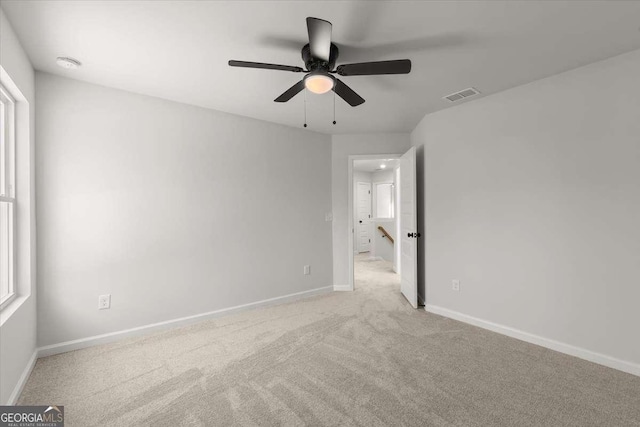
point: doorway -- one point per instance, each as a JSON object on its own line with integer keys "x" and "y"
{"x": 383, "y": 222}
{"x": 375, "y": 224}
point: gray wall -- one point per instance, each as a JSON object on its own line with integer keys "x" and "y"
{"x": 18, "y": 320}
{"x": 174, "y": 210}
{"x": 532, "y": 201}
{"x": 342, "y": 147}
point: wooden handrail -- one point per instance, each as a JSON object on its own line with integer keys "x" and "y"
{"x": 381, "y": 228}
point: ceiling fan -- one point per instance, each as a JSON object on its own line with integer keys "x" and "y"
{"x": 320, "y": 56}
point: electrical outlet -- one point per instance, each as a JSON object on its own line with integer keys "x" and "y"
{"x": 455, "y": 285}
{"x": 104, "y": 302}
{"x": 307, "y": 270}
{"x": 328, "y": 217}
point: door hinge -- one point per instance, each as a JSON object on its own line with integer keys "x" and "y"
{"x": 369, "y": 240}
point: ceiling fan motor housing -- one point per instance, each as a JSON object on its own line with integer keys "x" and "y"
{"x": 315, "y": 64}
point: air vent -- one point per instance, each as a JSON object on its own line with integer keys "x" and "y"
{"x": 466, "y": 93}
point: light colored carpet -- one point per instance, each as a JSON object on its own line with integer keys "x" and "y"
{"x": 345, "y": 359}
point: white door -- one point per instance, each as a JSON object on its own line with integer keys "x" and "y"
{"x": 408, "y": 228}
{"x": 363, "y": 216}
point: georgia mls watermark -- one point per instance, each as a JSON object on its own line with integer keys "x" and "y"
{"x": 31, "y": 416}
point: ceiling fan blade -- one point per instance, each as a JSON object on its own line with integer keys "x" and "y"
{"x": 262, "y": 65}
{"x": 346, "y": 93}
{"x": 319, "y": 38}
{"x": 399, "y": 66}
{"x": 291, "y": 92}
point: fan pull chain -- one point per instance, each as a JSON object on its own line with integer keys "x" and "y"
{"x": 334, "y": 108}
{"x": 305, "y": 108}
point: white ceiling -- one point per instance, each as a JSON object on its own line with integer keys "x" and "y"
{"x": 373, "y": 165}
{"x": 179, "y": 50}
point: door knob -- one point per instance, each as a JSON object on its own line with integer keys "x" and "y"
{"x": 360, "y": 221}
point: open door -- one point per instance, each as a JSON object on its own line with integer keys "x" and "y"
{"x": 409, "y": 228}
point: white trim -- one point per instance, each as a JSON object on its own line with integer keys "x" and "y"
{"x": 342, "y": 288}
{"x": 142, "y": 330}
{"x": 7, "y": 299}
{"x": 8, "y": 178}
{"x": 22, "y": 381}
{"x": 397, "y": 249}
{"x": 601, "y": 359}
{"x": 350, "y": 230}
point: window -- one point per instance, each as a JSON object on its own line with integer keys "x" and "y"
{"x": 7, "y": 196}
{"x": 384, "y": 200}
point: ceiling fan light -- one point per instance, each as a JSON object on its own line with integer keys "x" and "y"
{"x": 319, "y": 83}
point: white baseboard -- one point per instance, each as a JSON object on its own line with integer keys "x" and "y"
{"x": 601, "y": 359}
{"x": 342, "y": 288}
{"x": 22, "y": 381}
{"x": 154, "y": 327}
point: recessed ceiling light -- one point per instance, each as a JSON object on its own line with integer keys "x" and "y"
{"x": 383, "y": 166}
{"x": 68, "y": 63}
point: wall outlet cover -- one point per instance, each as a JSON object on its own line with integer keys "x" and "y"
{"x": 104, "y": 302}
{"x": 455, "y": 285}
{"x": 307, "y": 270}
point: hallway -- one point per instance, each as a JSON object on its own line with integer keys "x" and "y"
{"x": 372, "y": 273}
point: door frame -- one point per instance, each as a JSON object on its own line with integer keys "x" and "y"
{"x": 351, "y": 228}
